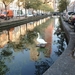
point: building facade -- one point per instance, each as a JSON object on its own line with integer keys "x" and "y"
{"x": 71, "y": 6}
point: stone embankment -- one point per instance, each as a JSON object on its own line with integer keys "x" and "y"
{"x": 65, "y": 64}
{"x": 13, "y": 23}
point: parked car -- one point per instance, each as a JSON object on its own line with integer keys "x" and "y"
{"x": 6, "y": 14}
{"x": 64, "y": 16}
{"x": 67, "y": 15}
{"x": 72, "y": 19}
{"x": 29, "y": 15}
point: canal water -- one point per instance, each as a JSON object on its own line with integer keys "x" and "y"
{"x": 20, "y": 52}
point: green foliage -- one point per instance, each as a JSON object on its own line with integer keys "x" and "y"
{"x": 46, "y": 7}
{"x": 42, "y": 27}
{"x": 30, "y": 36}
{"x": 3, "y": 68}
{"x": 36, "y": 4}
{"x": 63, "y": 5}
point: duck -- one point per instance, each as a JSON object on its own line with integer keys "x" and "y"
{"x": 42, "y": 42}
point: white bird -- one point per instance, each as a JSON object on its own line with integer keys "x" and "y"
{"x": 40, "y": 40}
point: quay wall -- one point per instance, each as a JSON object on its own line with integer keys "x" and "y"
{"x": 14, "y": 23}
{"x": 65, "y": 64}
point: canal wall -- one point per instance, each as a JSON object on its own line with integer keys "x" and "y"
{"x": 65, "y": 64}
{"x": 14, "y": 23}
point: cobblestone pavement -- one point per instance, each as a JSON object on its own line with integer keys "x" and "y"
{"x": 65, "y": 64}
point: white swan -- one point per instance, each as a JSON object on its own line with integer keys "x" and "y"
{"x": 40, "y": 40}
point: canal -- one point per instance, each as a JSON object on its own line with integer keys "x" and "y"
{"x": 20, "y": 52}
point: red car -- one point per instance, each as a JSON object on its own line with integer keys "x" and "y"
{"x": 6, "y": 14}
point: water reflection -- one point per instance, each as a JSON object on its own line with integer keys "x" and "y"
{"x": 18, "y": 51}
{"x": 3, "y": 68}
{"x": 3, "y": 58}
{"x": 61, "y": 45}
{"x": 60, "y": 42}
{"x": 41, "y": 67}
{"x": 13, "y": 34}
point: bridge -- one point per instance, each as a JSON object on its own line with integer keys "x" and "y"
{"x": 55, "y": 13}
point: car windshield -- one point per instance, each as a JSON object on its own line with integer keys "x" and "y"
{"x": 3, "y": 12}
{"x": 70, "y": 13}
{"x": 73, "y": 13}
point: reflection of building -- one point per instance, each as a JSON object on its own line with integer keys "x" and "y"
{"x": 48, "y": 38}
{"x": 12, "y": 35}
{"x": 3, "y": 38}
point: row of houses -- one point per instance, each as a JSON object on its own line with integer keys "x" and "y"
{"x": 19, "y": 11}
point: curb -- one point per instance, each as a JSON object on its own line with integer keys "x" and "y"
{"x": 65, "y": 64}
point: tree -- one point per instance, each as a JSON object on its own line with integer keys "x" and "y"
{"x": 63, "y": 5}
{"x": 46, "y": 7}
{"x": 6, "y": 3}
{"x": 35, "y": 4}
{"x": 31, "y": 4}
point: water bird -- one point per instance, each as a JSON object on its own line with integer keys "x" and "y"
{"x": 42, "y": 42}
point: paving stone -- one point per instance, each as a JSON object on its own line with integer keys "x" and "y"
{"x": 65, "y": 64}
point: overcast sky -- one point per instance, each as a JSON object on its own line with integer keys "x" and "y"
{"x": 72, "y": 0}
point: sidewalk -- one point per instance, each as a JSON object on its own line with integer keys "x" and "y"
{"x": 12, "y": 19}
{"x": 65, "y": 64}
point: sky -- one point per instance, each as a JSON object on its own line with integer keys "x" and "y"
{"x": 72, "y": 0}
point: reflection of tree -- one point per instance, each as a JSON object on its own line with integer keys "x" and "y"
{"x": 41, "y": 67}
{"x": 3, "y": 67}
{"x": 24, "y": 41}
{"x": 61, "y": 44}
{"x": 44, "y": 50}
{"x": 30, "y": 36}
{"x": 40, "y": 49}
{"x": 5, "y": 55}
{"x": 6, "y": 51}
